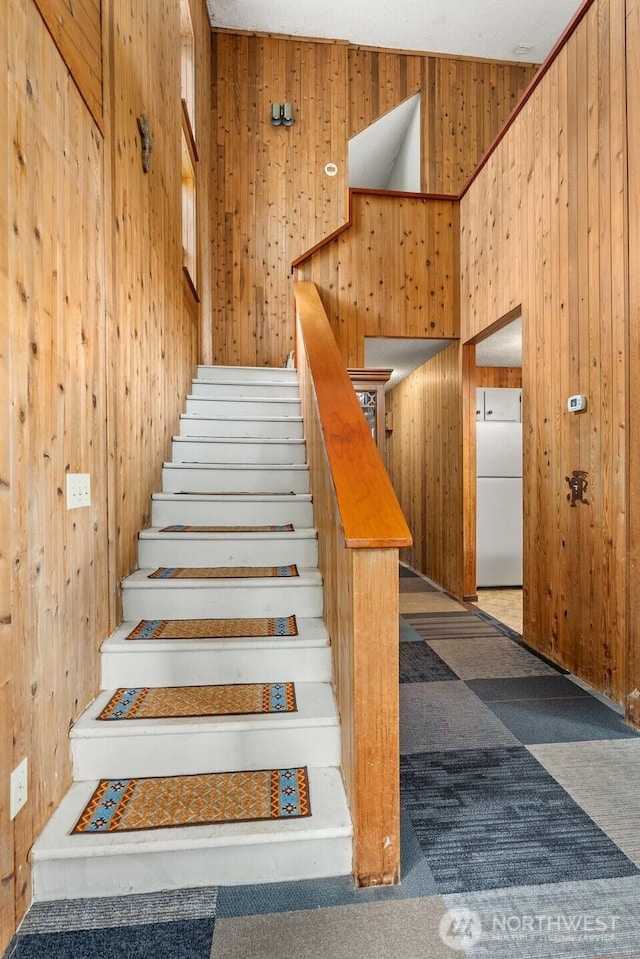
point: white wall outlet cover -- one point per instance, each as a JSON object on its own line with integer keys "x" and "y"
{"x": 18, "y": 788}
{"x": 331, "y": 169}
{"x": 78, "y": 490}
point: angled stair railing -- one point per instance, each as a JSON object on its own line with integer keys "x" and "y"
{"x": 360, "y": 530}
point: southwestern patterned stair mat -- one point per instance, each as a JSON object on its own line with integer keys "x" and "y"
{"x": 213, "y": 628}
{"x": 287, "y": 528}
{"x": 224, "y": 572}
{"x": 164, "y": 802}
{"x": 182, "y": 702}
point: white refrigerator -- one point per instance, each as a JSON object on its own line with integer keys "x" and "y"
{"x": 499, "y": 504}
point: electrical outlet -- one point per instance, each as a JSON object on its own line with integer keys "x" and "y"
{"x": 78, "y": 490}
{"x": 18, "y": 789}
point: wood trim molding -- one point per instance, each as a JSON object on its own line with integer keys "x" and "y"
{"x": 367, "y": 505}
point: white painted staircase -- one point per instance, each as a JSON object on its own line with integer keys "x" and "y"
{"x": 239, "y": 461}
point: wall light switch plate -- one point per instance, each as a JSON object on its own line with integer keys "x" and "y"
{"x": 18, "y": 788}
{"x": 78, "y": 490}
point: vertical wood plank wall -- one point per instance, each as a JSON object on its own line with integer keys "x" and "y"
{"x": 271, "y": 197}
{"x": 76, "y": 30}
{"x": 544, "y": 225}
{"x": 57, "y": 413}
{"x": 272, "y": 200}
{"x": 633, "y": 514}
{"x": 7, "y": 880}
{"x": 394, "y": 272}
{"x": 424, "y": 460}
{"x": 465, "y": 103}
{"x": 498, "y": 377}
{"x": 95, "y": 358}
{"x": 153, "y": 346}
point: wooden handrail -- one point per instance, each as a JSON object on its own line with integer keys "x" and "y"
{"x": 367, "y": 505}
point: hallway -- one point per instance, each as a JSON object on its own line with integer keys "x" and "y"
{"x": 520, "y": 807}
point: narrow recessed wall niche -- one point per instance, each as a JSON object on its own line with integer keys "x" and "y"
{"x": 189, "y": 233}
{"x": 187, "y": 64}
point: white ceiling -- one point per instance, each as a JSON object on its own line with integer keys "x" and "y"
{"x": 503, "y": 348}
{"x": 475, "y": 28}
{"x": 403, "y": 356}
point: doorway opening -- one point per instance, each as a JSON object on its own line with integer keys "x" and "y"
{"x": 495, "y": 482}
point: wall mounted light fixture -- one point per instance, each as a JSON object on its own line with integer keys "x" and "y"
{"x": 281, "y": 113}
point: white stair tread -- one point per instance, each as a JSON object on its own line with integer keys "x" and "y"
{"x": 155, "y": 533}
{"x": 240, "y": 440}
{"x": 315, "y": 702}
{"x": 240, "y": 374}
{"x": 329, "y": 819}
{"x": 293, "y": 401}
{"x": 311, "y": 633}
{"x": 204, "y": 417}
{"x": 231, "y": 497}
{"x": 140, "y": 580}
{"x": 244, "y": 467}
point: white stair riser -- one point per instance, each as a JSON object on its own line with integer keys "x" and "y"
{"x": 206, "y": 751}
{"x": 231, "y": 441}
{"x": 206, "y": 667}
{"x": 240, "y": 451}
{"x": 243, "y": 406}
{"x": 177, "y": 550}
{"x": 249, "y": 374}
{"x": 145, "y": 872}
{"x": 231, "y": 513}
{"x": 202, "y": 388}
{"x": 217, "y": 479}
{"x": 280, "y": 598}
{"x": 284, "y": 428}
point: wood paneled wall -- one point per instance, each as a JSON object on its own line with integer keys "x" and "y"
{"x": 273, "y": 200}
{"x": 498, "y": 377}
{"x": 52, "y": 199}
{"x": 464, "y": 105}
{"x": 544, "y": 225}
{"x": 633, "y": 352}
{"x": 394, "y": 272}
{"x": 271, "y": 196}
{"x": 424, "y": 460}
{"x": 7, "y": 879}
{"x": 154, "y": 347}
{"x": 77, "y": 31}
{"x": 98, "y": 340}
